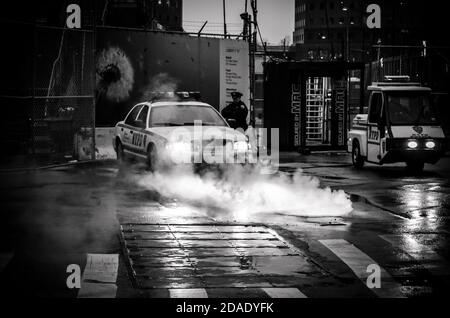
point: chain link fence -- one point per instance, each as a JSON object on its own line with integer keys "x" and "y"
{"x": 47, "y": 92}
{"x": 63, "y": 118}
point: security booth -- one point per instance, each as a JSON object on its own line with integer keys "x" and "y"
{"x": 309, "y": 102}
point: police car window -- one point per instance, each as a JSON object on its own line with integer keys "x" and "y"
{"x": 185, "y": 115}
{"x": 131, "y": 119}
{"x": 375, "y": 107}
{"x": 143, "y": 115}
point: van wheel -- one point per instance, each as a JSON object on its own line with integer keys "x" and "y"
{"x": 152, "y": 158}
{"x": 415, "y": 166}
{"x": 357, "y": 159}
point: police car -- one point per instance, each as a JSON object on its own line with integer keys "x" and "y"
{"x": 176, "y": 128}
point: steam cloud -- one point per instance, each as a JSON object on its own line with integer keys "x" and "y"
{"x": 242, "y": 194}
{"x": 161, "y": 82}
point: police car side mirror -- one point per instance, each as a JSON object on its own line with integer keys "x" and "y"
{"x": 231, "y": 122}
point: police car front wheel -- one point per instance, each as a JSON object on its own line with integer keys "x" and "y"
{"x": 152, "y": 158}
{"x": 120, "y": 153}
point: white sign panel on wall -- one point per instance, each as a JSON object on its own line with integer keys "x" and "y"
{"x": 234, "y": 71}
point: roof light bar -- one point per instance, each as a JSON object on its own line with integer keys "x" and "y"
{"x": 397, "y": 78}
{"x": 160, "y": 96}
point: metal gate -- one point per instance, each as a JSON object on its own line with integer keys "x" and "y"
{"x": 315, "y": 107}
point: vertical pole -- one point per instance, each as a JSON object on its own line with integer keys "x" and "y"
{"x": 224, "y": 19}
{"x": 94, "y": 99}
{"x": 347, "y": 41}
{"x": 362, "y": 89}
{"x": 246, "y": 21}
{"x": 378, "y": 60}
{"x": 253, "y": 47}
{"x": 33, "y": 98}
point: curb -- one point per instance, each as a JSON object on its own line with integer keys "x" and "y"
{"x": 62, "y": 165}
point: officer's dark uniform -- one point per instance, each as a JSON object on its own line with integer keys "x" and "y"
{"x": 238, "y": 111}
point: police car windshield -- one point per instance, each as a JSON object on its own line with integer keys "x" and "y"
{"x": 184, "y": 115}
{"x": 410, "y": 108}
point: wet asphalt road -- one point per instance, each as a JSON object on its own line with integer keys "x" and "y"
{"x": 102, "y": 220}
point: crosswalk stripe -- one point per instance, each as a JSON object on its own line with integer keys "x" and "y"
{"x": 284, "y": 293}
{"x": 5, "y": 258}
{"x": 422, "y": 253}
{"x": 99, "y": 277}
{"x": 188, "y": 293}
{"x": 360, "y": 263}
{"x": 96, "y": 290}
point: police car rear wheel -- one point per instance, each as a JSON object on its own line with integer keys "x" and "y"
{"x": 357, "y": 159}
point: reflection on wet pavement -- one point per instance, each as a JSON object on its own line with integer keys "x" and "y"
{"x": 211, "y": 256}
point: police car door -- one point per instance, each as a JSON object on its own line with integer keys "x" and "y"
{"x": 139, "y": 136}
{"x": 373, "y": 132}
{"x": 127, "y": 130}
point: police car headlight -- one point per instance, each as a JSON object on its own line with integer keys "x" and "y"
{"x": 241, "y": 146}
{"x": 430, "y": 144}
{"x": 413, "y": 144}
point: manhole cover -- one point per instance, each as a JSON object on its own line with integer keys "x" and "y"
{"x": 211, "y": 256}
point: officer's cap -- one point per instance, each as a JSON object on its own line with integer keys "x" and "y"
{"x": 236, "y": 94}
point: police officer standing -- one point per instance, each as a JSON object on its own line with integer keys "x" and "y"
{"x": 237, "y": 112}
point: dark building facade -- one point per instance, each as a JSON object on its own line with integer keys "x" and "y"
{"x": 336, "y": 29}
{"x": 151, "y": 14}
